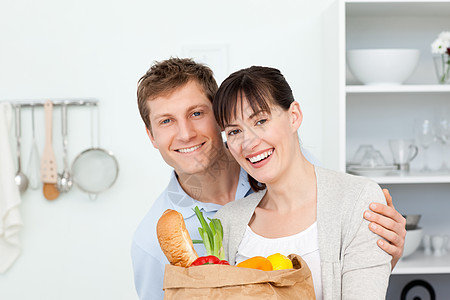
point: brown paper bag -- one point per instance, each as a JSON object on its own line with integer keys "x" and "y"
{"x": 231, "y": 282}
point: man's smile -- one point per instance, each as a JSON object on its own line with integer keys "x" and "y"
{"x": 190, "y": 149}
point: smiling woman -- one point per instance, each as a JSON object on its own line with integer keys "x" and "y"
{"x": 299, "y": 208}
{"x": 263, "y": 107}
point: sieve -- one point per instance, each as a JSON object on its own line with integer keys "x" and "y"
{"x": 95, "y": 170}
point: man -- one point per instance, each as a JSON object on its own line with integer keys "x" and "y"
{"x": 175, "y": 102}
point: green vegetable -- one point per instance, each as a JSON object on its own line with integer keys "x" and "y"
{"x": 211, "y": 234}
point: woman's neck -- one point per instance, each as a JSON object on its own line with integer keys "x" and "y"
{"x": 296, "y": 188}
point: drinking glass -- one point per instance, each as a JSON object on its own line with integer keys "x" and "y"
{"x": 425, "y": 135}
{"x": 443, "y": 135}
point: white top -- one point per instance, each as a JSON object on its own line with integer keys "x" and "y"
{"x": 305, "y": 244}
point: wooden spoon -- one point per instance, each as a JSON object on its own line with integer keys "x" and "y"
{"x": 48, "y": 163}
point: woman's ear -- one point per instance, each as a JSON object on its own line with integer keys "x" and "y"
{"x": 150, "y": 135}
{"x": 295, "y": 115}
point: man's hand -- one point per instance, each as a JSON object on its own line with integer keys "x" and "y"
{"x": 388, "y": 224}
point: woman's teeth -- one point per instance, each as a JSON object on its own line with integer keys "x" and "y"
{"x": 260, "y": 157}
{"x": 187, "y": 150}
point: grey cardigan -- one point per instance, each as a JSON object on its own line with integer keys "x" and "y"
{"x": 352, "y": 264}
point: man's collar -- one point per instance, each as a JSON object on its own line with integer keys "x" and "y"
{"x": 184, "y": 203}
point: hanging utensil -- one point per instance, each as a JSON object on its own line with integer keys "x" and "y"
{"x": 48, "y": 163}
{"x": 33, "y": 161}
{"x": 95, "y": 170}
{"x": 64, "y": 182}
{"x": 21, "y": 178}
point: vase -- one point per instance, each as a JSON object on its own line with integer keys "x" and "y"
{"x": 442, "y": 67}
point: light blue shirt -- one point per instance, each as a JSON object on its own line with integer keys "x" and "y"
{"x": 148, "y": 259}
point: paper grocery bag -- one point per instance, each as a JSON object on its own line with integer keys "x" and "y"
{"x": 231, "y": 282}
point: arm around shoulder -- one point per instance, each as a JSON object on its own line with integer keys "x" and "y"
{"x": 366, "y": 267}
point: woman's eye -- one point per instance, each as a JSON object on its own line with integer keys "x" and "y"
{"x": 260, "y": 122}
{"x": 233, "y": 132}
{"x": 196, "y": 114}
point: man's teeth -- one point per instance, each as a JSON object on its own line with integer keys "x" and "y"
{"x": 187, "y": 150}
{"x": 260, "y": 156}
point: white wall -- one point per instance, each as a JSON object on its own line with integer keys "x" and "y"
{"x": 75, "y": 248}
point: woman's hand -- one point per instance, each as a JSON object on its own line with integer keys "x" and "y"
{"x": 388, "y": 224}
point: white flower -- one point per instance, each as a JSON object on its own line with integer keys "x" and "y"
{"x": 440, "y": 46}
{"x": 444, "y": 35}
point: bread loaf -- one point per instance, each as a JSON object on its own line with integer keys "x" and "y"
{"x": 174, "y": 239}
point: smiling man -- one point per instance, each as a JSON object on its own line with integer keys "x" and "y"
{"x": 175, "y": 102}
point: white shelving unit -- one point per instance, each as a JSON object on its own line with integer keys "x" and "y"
{"x": 419, "y": 263}
{"x": 375, "y": 114}
{"x": 413, "y": 178}
{"x": 417, "y": 88}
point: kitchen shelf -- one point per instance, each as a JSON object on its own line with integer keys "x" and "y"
{"x": 369, "y": 89}
{"x": 419, "y": 263}
{"x": 413, "y": 177}
{"x": 386, "y": 8}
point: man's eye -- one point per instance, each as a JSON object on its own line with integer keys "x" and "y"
{"x": 166, "y": 121}
{"x": 233, "y": 132}
{"x": 196, "y": 114}
{"x": 262, "y": 121}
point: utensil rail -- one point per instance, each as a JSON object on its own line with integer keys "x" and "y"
{"x": 56, "y": 102}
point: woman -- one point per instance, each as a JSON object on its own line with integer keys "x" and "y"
{"x": 298, "y": 207}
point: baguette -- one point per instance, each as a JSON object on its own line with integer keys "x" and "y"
{"x": 174, "y": 239}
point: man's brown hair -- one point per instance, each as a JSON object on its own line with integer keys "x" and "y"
{"x": 164, "y": 77}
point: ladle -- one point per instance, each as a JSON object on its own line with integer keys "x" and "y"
{"x": 64, "y": 183}
{"x": 21, "y": 178}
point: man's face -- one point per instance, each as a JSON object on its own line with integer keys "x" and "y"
{"x": 184, "y": 129}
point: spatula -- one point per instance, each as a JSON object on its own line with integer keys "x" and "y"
{"x": 48, "y": 163}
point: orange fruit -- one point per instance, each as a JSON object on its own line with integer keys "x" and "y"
{"x": 256, "y": 262}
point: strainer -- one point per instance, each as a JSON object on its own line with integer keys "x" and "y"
{"x": 95, "y": 169}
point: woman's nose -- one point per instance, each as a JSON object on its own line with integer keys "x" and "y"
{"x": 251, "y": 139}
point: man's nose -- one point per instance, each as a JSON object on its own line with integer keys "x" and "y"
{"x": 186, "y": 131}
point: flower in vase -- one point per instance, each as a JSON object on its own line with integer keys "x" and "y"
{"x": 441, "y": 47}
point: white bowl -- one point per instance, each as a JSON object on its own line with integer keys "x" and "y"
{"x": 412, "y": 241}
{"x": 382, "y": 66}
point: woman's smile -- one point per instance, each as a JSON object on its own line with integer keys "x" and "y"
{"x": 260, "y": 159}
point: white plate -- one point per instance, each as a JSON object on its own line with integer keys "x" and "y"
{"x": 375, "y": 171}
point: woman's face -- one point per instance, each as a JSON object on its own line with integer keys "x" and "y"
{"x": 264, "y": 143}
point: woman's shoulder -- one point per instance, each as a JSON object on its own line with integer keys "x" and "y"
{"x": 350, "y": 187}
{"x": 340, "y": 179}
{"x": 237, "y": 208}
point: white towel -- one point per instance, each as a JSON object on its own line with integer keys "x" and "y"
{"x": 10, "y": 220}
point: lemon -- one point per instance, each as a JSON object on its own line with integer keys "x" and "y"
{"x": 279, "y": 261}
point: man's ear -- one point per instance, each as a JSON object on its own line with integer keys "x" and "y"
{"x": 296, "y": 115}
{"x": 150, "y": 135}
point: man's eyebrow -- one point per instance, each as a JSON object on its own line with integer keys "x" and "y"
{"x": 196, "y": 106}
{"x": 164, "y": 115}
{"x": 189, "y": 109}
